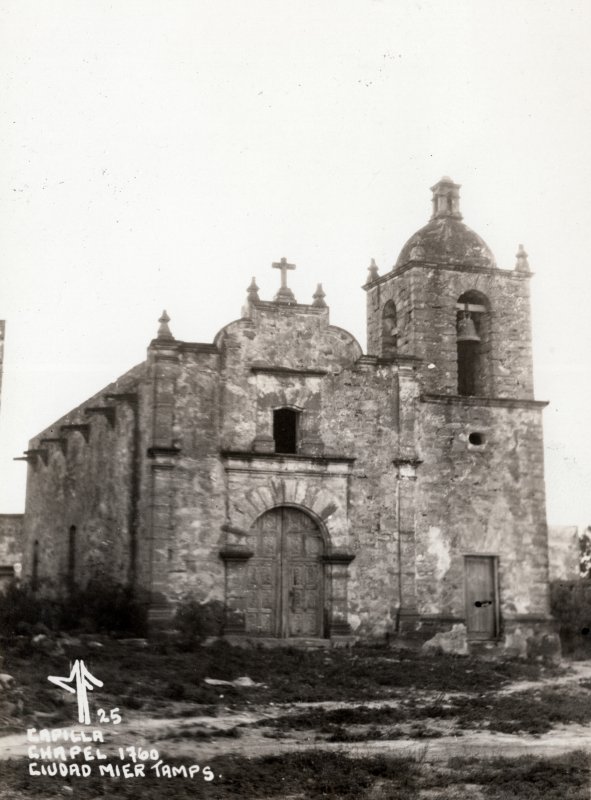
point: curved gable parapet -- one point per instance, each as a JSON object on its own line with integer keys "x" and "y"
{"x": 236, "y": 324}
{"x": 345, "y": 336}
{"x": 296, "y": 337}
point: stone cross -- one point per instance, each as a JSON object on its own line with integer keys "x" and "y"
{"x": 284, "y": 295}
{"x": 283, "y": 266}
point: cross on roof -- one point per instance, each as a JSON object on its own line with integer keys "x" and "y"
{"x": 284, "y": 295}
{"x": 283, "y": 266}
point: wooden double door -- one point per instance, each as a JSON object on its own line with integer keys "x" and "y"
{"x": 284, "y": 596}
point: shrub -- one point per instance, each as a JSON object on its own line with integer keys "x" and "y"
{"x": 102, "y": 605}
{"x": 571, "y": 608}
{"x": 21, "y": 609}
{"x": 196, "y": 621}
{"x": 107, "y": 606}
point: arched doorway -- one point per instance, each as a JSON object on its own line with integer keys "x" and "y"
{"x": 284, "y": 596}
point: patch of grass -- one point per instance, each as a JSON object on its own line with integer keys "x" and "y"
{"x": 374, "y": 734}
{"x": 534, "y": 712}
{"x": 362, "y": 715}
{"x": 161, "y": 673}
{"x": 205, "y": 734}
{"x": 562, "y": 778}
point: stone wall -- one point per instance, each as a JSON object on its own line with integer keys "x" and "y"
{"x": 82, "y": 475}
{"x": 11, "y": 531}
{"x": 287, "y": 356}
{"x": 481, "y": 499}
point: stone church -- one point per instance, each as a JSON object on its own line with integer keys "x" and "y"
{"x": 318, "y": 491}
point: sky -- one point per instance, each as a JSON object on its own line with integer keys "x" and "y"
{"x": 159, "y": 153}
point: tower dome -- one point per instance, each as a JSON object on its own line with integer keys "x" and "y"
{"x": 446, "y": 239}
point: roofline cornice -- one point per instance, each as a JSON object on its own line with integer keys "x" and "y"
{"x": 469, "y": 400}
{"x": 396, "y": 271}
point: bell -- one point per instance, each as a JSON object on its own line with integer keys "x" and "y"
{"x": 467, "y": 329}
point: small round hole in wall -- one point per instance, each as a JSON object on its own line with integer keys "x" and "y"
{"x": 476, "y": 438}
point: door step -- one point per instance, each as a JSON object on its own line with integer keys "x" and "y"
{"x": 270, "y": 643}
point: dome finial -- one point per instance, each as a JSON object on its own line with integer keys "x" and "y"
{"x": 164, "y": 330}
{"x": 446, "y": 240}
{"x": 373, "y": 271}
{"x": 319, "y": 296}
{"x": 252, "y": 293}
{"x": 522, "y": 264}
{"x": 446, "y": 199}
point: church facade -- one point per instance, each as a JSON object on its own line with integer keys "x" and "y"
{"x": 317, "y": 491}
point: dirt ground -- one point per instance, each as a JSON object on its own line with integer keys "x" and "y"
{"x": 366, "y": 722}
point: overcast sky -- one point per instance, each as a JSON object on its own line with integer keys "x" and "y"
{"x": 158, "y": 154}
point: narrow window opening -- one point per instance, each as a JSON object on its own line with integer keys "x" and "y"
{"x": 71, "y": 556}
{"x": 468, "y": 362}
{"x": 389, "y": 329}
{"x": 285, "y": 430}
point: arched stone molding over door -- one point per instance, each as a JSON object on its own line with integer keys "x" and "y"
{"x": 265, "y": 495}
{"x": 284, "y": 582}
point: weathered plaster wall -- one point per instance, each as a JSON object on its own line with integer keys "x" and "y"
{"x": 198, "y": 480}
{"x": 350, "y": 410}
{"x": 486, "y": 499}
{"x": 360, "y": 418}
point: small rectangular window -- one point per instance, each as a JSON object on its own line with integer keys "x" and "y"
{"x": 285, "y": 430}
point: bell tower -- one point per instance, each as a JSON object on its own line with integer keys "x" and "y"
{"x": 446, "y": 301}
{"x": 477, "y": 521}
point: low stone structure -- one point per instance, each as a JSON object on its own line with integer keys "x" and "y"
{"x": 564, "y": 552}
{"x": 317, "y": 491}
{"x": 11, "y": 530}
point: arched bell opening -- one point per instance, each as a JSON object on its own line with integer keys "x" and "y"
{"x": 473, "y": 340}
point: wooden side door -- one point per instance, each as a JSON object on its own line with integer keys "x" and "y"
{"x": 262, "y": 613}
{"x": 481, "y": 597}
